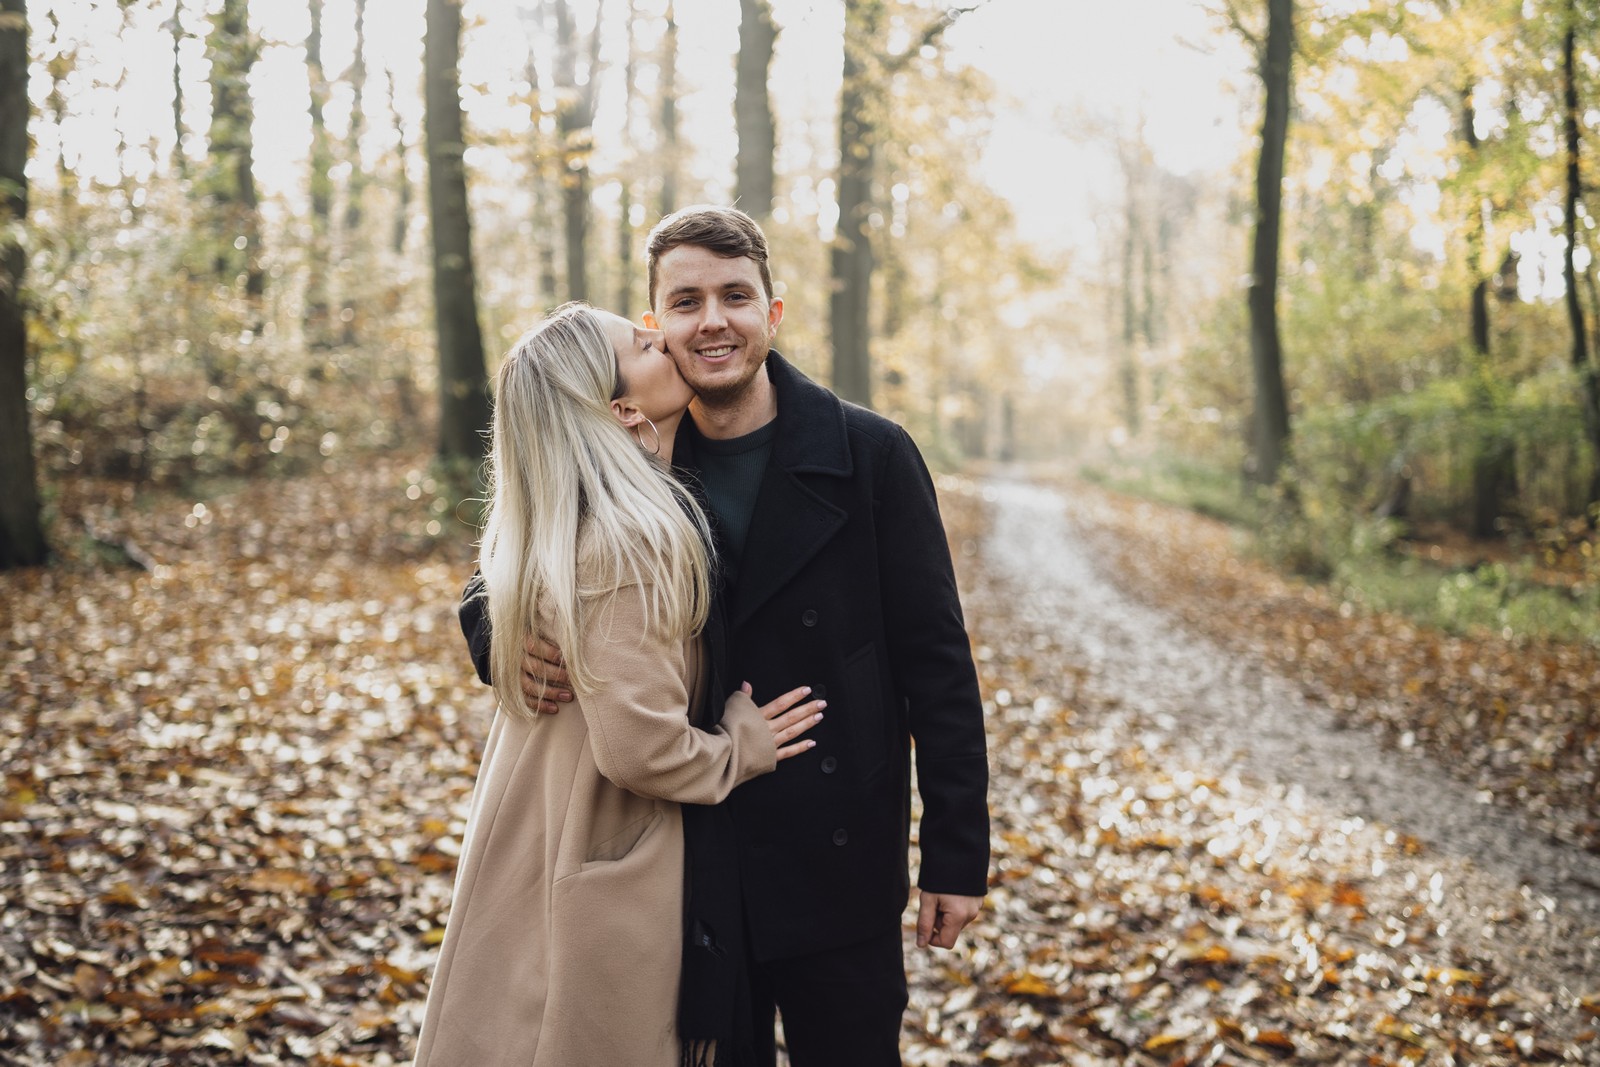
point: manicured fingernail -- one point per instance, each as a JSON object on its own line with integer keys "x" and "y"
{"x": 821, "y": 704}
{"x": 811, "y": 744}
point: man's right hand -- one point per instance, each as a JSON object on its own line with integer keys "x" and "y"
{"x": 545, "y": 684}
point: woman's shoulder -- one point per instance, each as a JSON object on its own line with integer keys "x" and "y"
{"x": 608, "y": 561}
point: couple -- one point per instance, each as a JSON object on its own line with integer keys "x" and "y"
{"x": 775, "y": 541}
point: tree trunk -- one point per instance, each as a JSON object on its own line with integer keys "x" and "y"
{"x": 321, "y": 151}
{"x": 1583, "y": 361}
{"x": 575, "y": 121}
{"x": 69, "y": 197}
{"x": 356, "y": 78}
{"x": 356, "y": 185}
{"x": 630, "y": 95}
{"x": 230, "y": 183}
{"x": 317, "y": 316}
{"x": 180, "y": 160}
{"x": 1129, "y": 361}
{"x": 752, "y": 109}
{"x": 1270, "y": 421}
{"x": 543, "y": 213}
{"x": 463, "y": 379}
{"x": 403, "y": 194}
{"x": 667, "y": 120}
{"x": 851, "y": 256}
{"x": 1494, "y": 457}
{"x": 22, "y": 541}
{"x": 898, "y": 301}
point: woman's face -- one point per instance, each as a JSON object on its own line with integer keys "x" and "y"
{"x": 650, "y": 379}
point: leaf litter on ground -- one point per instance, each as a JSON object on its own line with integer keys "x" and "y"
{"x": 234, "y": 785}
{"x": 233, "y": 782}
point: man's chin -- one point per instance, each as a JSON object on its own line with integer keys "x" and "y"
{"x": 718, "y": 394}
{"x": 714, "y": 391}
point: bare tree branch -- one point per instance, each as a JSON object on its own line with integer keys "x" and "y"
{"x": 931, "y": 33}
{"x": 1229, "y": 13}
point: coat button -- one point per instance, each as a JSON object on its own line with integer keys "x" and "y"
{"x": 808, "y": 617}
{"x": 829, "y": 765}
{"x": 841, "y": 836}
{"x": 819, "y": 692}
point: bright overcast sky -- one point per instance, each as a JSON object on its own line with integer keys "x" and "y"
{"x": 1157, "y": 59}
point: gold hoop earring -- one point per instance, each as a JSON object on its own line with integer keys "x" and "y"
{"x": 637, "y": 436}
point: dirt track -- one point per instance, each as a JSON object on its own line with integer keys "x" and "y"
{"x": 1499, "y": 889}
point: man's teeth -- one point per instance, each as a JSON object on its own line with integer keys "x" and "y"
{"x": 716, "y": 353}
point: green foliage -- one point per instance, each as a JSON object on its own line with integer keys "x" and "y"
{"x": 1204, "y": 487}
{"x": 1377, "y": 327}
{"x": 458, "y": 490}
{"x": 1325, "y": 521}
{"x": 1307, "y": 528}
{"x": 1350, "y": 455}
{"x": 1490, "y": 597}
{"x": 148, "y": 367}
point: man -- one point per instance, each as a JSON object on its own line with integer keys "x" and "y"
{"x": 834, "y": 572}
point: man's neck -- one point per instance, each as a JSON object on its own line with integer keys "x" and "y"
{"x": 746, "y": 413}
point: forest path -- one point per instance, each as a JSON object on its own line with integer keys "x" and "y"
{"x": 1500, "y": 888}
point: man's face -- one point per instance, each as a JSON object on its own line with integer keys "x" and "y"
{"x": 717, "y": 320}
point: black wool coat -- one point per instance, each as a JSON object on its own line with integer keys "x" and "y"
{"x": 845, "y": 585}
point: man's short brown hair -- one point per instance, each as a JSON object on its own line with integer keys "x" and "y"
{"x": 725, "y": 231}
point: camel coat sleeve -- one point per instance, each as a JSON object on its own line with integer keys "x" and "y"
{"x": 636, "y": 718}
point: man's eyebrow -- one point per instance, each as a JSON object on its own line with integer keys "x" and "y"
{"x": 724, "y": 287}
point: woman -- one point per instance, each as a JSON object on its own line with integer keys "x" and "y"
{"x": 563, "y": 943}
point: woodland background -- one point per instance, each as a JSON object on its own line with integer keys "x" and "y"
{"x": 259, "y": 260}
{"x": 1386, "y": 299}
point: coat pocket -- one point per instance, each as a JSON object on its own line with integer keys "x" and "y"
{"x": 868, "y": 722}
{"x": 622, "y": 842}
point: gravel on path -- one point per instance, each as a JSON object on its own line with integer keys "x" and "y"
{"x": 1502, "y": 888}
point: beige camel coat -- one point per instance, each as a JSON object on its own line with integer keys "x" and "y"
{"x": 562, "y": 946}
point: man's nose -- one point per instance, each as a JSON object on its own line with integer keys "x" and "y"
{"x": 712, "y": 317}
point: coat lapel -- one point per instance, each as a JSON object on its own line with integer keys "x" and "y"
{"x": 790, "y": 525}
{"x": 792, "y": 522}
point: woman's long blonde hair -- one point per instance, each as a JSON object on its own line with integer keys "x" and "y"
{"x": 572, "y": 494}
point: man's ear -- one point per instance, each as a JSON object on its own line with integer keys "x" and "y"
{"x": 650, "y": 321}
{"x": 775, "y": 313}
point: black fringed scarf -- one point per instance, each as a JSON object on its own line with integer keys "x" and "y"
{"x": 714, "y": 1014}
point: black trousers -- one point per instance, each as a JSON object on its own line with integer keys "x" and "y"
{"x": 840, "y": 1008}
